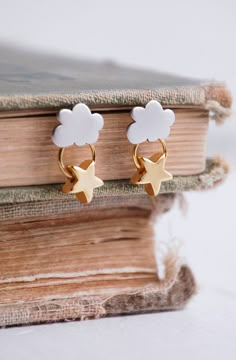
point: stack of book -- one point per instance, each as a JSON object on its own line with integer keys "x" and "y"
{"x": 62, "y": 260}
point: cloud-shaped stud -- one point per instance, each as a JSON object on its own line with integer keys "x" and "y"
{"x": 78, "y": 126}
{"x": 150, "y": 123}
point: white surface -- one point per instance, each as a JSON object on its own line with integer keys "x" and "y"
{"x": 150, "y": 123}
{"x": 78, "y": 126}
{"x": 194, "y": 38}
{"x": 205, "y": 330}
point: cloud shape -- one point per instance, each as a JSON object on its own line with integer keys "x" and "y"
{"x": 150, "y": 123}
{"x": 78, "y": 126}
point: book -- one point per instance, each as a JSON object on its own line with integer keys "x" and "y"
{"x": 33, "y": 88}
{"x": 61, "y": 260}
{"x": 92, "y": 264}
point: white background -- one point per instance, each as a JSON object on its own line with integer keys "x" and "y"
{"x": 194, "y": 38}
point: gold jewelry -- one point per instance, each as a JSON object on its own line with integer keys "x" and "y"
{"x": 151, "y": 172}
{"x": 78, "y": 127}
{"x": 150, "y": 123}
{"x": 81, "y": 180}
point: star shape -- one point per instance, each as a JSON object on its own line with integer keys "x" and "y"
{"x": 83, "y": 181}
{"x": 152, "y": 174}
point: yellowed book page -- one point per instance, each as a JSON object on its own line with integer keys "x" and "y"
{"x": 29, "y": 157}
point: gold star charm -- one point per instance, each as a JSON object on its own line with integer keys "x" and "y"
{"x": 152, "y": 173}
{"x": 83, "y": 181}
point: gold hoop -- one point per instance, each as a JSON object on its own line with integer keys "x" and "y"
{"x": 63, "y": 168}
{"x": 136, "y": 157}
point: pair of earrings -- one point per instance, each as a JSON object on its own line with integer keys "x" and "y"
{"x": 80, "y": 127}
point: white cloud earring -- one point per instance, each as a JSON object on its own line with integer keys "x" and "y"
{"x": 78, "y": 127}
{"x": 151, "y": 123}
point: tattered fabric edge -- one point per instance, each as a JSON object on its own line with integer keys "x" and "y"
{"x": 217, "y": 112}
{"x": 141, "y": 300}
{"x": 218, "y": 101}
